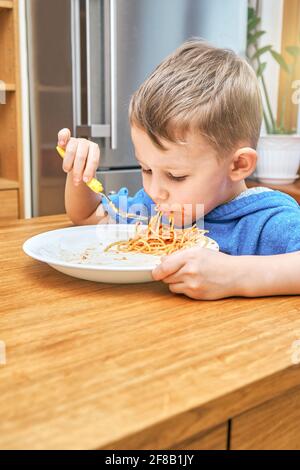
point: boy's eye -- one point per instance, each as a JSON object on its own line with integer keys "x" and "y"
{"x": 170, "y": 176}
{"x": 176, "y": 178}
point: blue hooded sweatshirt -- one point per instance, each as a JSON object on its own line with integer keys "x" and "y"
{"x": 257, "y": 222}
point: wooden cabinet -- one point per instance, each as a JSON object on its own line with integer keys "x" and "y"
{"x": 11, "y": 186}
{"x": 214, "y": 439}
{"x": 9, "y": 204}
{"x": 272, "y": 425}
{"x": 179, "y": 433}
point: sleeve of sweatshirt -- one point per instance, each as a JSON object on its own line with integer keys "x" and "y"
{"x": 293, "y": 238}
{"x": 281, "y": 232}
{"x": 139, "y": 204}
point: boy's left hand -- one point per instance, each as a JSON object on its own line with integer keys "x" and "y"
{"x": 199, "y": 273}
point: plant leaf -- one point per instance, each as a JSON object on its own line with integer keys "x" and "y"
{"x": 280, "y": 60}
{"x": 261, "y": 69}
{"x": 293, "y": 50}
{"x": 251, "y": 12}
{"x": 252, "y": 23}
{"x": 252, "y": 38}
{"x": 261, "y": 51}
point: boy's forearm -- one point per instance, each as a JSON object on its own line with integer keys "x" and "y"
{"x": 269, "y": 275}
{"x": 80, "y": 201}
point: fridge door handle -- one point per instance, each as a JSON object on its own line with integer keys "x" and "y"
{"x": 76, "y": 63}
{"x": 113, "y": 72}
{"x": 96, "y": 72}
{"x": 94, "y": 131}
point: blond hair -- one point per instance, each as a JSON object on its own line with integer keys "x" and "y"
{"x": 200, "y": 88}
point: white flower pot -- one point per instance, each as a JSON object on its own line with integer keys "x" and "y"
{"x": 278, "y": 159}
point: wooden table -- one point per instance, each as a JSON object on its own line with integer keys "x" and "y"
{"x": 94, "y": 366}
{"x": 292, "y": 189}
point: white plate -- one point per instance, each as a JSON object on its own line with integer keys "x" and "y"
{"x": 79, "y": 252}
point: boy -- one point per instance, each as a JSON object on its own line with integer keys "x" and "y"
{"x": 195, "y": 123}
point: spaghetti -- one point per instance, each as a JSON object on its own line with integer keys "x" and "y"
{"x": 159, "y": 239}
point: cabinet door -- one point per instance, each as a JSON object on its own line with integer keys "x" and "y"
{"x": 272, "y": 425}
{"x": 9, "y": 204}
{"x": 213, "y": 439}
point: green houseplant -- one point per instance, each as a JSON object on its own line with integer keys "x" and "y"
{"x": 279, "y": 147}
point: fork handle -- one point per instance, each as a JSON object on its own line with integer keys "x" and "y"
{"x": 93, "y": 184}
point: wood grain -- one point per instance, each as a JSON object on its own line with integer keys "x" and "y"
{"x": 11, "y": 151}
{"x": 273, "y": 425}
{"x": 9, "y": 206}
{"x": 8, "y": 139}
{"x": 292, "y": 189}
{"x": 6, "y": 4}
{"x": 212, "y": 439}
{"x": 94, "y": 365}
{"x": 7, "y": 48}
{"x": 8, "y": 184}
{"x": 9, "y": 87}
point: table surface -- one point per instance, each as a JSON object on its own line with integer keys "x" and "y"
{"x": 293, "y": 189}
{"x": 94, "y": 365}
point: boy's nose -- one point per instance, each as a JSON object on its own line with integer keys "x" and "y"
{"x": 158, "y": 194}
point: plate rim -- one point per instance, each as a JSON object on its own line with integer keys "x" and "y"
{"x": 85, "y": 267}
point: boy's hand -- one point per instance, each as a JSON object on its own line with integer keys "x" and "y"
{"x": 82, "y": 156}
{"x": 199, "y": 273}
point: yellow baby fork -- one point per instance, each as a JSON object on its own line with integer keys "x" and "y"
{"x": 97, "y": 187}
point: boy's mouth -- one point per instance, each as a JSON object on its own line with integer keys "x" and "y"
{"x": 182, "y": 216}
{"x": 169, "y": 209}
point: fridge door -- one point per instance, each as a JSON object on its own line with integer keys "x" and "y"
{"x": 122, "y": 41}
{"x": 113, "y": 180}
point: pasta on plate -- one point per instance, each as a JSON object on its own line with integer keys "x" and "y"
{"x": 159, "y": 239}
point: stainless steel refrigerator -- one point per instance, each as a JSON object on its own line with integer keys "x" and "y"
{"x": 86, "y": 58}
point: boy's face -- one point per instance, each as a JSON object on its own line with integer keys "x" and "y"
{"x": 186, "y": 175}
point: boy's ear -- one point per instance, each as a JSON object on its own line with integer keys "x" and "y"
{"x": 243, "y": 163}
